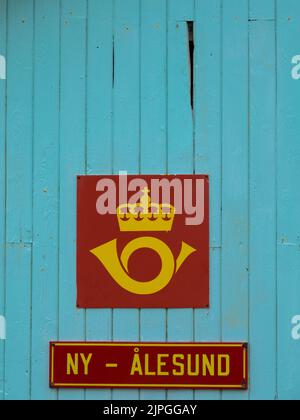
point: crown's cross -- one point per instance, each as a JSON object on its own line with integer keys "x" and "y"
{"x": 145, "y": 201}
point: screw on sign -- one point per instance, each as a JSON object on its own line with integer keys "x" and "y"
{"x": 143, "y": 241}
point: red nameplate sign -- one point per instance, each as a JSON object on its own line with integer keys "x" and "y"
{"x": 149, "y": 365}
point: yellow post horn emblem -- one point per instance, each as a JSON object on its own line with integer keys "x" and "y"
{"x": 107, "y": 254}
{"x": 143, "y": 221}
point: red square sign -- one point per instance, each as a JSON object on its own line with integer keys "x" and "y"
{"x": 143, "y": 241}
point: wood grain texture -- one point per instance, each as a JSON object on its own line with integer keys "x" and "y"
{"x": 19, "y": 153}
{"x": 72, "y": 163}
{"x": 3, "y": 17}
{"x": 288, "y": 199}
{"x": 153, "y": 137}
{"x": 180, "y": 158}
{"x": 126, "y": 135}
{"x": 45, "y": 191}
{"x": 207, "y": 155}
{"x": 99, "y": 129}
{"x": 262, "y": 204}
{"x": 235, "y": 176}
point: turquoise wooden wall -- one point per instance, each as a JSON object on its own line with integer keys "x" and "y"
{"x": 98, "y": 86}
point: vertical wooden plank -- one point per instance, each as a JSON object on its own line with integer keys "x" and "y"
{"x": 262, "y": 275}
{"x": 125, "y": 328}
{"x": 99, "y": 135}
{"x": 3, "y": 13}
{"x": 180, "y": 141}
{"x": 235, "y": 191}
{"x": 262, "y": 10}
{"x": 18, "y": 316}
{"x": 208, "y": 156}
{"x": 19, "y": 130}
{"x": 127, "y": 86}
{"x": 180, "y": 115}
{"x": 181, "y": 11}
{"x": 45, "y": 192}
{"x": 153, "y": 134}
{"x": 19, "y": 199}
{"x": 126, "y": 136}
{"x": 288, "y": 199}
{"x": 99, "y": 86}
{"x": 153, "y": 86}
{"x": 72, "y": 163}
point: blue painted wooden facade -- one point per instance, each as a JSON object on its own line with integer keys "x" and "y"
{"x": 98, "y": 86}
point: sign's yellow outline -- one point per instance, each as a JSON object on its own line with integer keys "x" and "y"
{"x": 240, "y": 386}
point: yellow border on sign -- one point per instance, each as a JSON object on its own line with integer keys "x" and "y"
{"x": 52, "y": 364}
{"x": 60, "y": 344}
{"x": 245, "y": 363}
{"x": 147, "y": 344}
{"x": 149, "y": 386}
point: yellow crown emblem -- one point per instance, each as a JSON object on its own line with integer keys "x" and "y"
{"x": 145, "y": 216}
